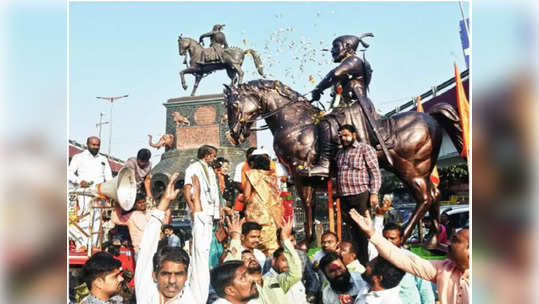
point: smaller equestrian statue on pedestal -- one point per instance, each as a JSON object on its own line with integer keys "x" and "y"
{"x": 203, "y": 61}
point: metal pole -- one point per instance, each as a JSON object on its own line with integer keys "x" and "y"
{"x": 100, "y": 124}
{"x": 110, "y": 127}
{"x": 111, "y": 99}
{"x": 464, "y": 20}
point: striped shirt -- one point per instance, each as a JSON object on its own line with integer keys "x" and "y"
{"x": 357, "y": 170}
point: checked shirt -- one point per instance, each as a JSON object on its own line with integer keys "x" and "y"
{"x": 357, "y": 170}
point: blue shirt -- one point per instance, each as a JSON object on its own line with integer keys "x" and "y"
{"x": 174, "y": 241}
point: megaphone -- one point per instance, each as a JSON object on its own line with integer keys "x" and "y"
{"x": 122, "y": 188}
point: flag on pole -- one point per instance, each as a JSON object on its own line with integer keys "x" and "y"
{"x": 434, "y": 177}
{"x": 464, "y": 113}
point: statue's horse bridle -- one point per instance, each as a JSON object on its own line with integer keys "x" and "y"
{"x": 241, "y": 120}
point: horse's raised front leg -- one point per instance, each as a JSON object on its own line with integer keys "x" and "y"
{"x": 197, "y": 81}
{"x": 182, "y": 77}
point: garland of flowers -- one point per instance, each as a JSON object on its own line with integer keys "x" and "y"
{"x": 287, "y": 204}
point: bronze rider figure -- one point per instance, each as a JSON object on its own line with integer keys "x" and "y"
{"x": 350, "y": 81}
{"x": 217, "y": 44}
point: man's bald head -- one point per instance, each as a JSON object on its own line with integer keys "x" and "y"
{"x": 93, "y": 144}
{"x": 93, "y": 139}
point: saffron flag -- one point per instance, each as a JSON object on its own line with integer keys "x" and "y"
{"x": 434, "y": 177}
{"x": 464, "y": 113}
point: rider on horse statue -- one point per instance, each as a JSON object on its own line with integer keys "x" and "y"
{"x": 350, "y": 81}
{"x": 217, "y": 43}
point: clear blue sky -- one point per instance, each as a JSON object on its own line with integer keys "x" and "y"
{"x": 131, "y": 48}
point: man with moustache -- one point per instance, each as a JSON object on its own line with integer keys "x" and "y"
{"x": 86, "y": 170}
{"x": 451, "y": 275}
{"x": 209, "y": 189}
{"x": 232, "y": 283}
{"x": 161, "y": 277}
{"x": 344, "y": 286}
{"x": 358, "y": 182}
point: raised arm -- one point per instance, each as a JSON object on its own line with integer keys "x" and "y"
{"x": 148, "y": 244}
{"x": 288, "y": 279}
{"x": 208, "y": 34}
{"x": 409, "y": 263}
{"x": 147, "y": 186}
{"x": 346, "y": 68}
{"x": 234, "y": 230}
{"x": 199, "y": 279}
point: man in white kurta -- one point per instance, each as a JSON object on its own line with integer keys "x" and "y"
{"x": 209, "y": 190}
{"x": 86, "y": 170}
{"x": 150, "y": 285}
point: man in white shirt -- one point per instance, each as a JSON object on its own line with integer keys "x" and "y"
{"x": 86, "y": 170}
{"x": 382, "y": 286}
{"x": 250, "y": 239}
{"x": 209, "y": 190}
{"x": 165, "y": 276}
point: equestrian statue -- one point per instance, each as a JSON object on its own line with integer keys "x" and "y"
{"x": 305, "y": 140}
{"x": 203, "y": 61}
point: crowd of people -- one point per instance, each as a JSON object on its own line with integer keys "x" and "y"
{"x": 243, "y": 248}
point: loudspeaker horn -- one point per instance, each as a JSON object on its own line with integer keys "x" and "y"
{"x": 123, "y": 188}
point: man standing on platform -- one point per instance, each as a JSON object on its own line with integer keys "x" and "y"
{"x": 86, "y": 170}
{"x": 209, "y": 191}
{"x": 358, "y": 182}
{"x": 142, "y": 166}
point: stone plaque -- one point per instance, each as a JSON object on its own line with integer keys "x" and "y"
{"x": 194, "y": 137}
{"x": 205, "y": 115}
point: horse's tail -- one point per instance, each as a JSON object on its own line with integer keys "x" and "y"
{"x": 447, "y": 116}
{"x": 258, "y": 62}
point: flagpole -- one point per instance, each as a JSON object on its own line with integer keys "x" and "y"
{"x": 464, "y": 20}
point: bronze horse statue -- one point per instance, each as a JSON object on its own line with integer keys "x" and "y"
{"x": 231, "y": 61}
{"x": 291, "y": 119}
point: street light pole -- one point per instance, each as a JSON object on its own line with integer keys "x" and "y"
{"x": 111, "y": 99}
{"x": 100, "y": 124}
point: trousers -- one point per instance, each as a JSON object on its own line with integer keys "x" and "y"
{"x": 350, "y": 230}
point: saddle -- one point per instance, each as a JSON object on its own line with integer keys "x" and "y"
{"x": 210, "y": 55}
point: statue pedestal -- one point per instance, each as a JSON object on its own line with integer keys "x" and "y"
{"x": 205, "y": 114}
